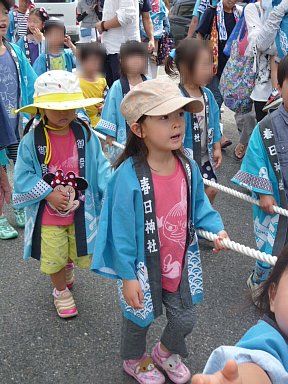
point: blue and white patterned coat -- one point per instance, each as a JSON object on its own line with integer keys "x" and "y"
{"x": 119, "y": 248}
{"x": 214, "y": 131}
{"x": 30, "y": 188}
{"x": 257, "y": 174}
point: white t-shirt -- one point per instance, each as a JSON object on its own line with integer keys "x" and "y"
{"x": 127, "y": 12}
{"x": 255, "y": 19}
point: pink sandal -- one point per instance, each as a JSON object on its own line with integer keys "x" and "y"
{"x": 144, "y": 371}
{"x": 64, "y": 303}
{"x": 172, "y": 365}
{"x": 70, "y": 276}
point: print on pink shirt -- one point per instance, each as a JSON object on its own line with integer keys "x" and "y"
{"x": 174, "y": 228}
{"x": 69, "y": 184}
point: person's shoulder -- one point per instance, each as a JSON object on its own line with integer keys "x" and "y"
{"x": 251, "y": 8}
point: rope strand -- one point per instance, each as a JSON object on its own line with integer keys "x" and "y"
{"x": 240, "y": 248}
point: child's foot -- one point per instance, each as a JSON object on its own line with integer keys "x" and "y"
{"x": 70, "y": 276}
{"x": 6, "y": 230}
{"x": 274, "y": 101}
{"x": 20, "y": 217}
{"x": 64, "y": 303}
{"x": 172, "y": 365}
{"x": 144, "y": 371}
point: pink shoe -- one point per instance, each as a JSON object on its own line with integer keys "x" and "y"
{"x": 172, "y": 365}
{"x": 70, "y": 277}
{"x": 64, "y": 303}
{"x": 144, "y": 371}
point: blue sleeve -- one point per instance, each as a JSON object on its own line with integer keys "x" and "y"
{"x": 39, "y": 65}
{"x": 20, "y": 43}
{"x": 205, "y": 217}
{"x": 195, "y": 11}
{"x": 109, "y": 117}
{"x": 255, "y": 167}
{"x": 11, "y": 27}
{"x": 71, "y": 57}
{"x": 123, "y": 229}
{"x": 215, "y": 116}
{"x": 103, "y": 166}
{"x": 29, "y": 188}
{"x": 31, "y": 77}
{"x": 219, "y": 357}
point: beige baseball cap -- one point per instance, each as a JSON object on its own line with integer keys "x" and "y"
{"x": 155, "y": 98}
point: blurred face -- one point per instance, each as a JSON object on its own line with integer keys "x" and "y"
{"x": 60, "y": 119}
{"x": 229, "y": 4}
{"x": 55, "y": 37}
{"x": 4, "y": 20}
{"x": 202, "y": 72}
{"x": 24, "y": 4}
{"x": 135, "y": 64}
{"x": 279, "y": 303}
{"x": 34, "y": 22}
{"x": 284, "y": 93}
{"x": 162, "y": 133}
{"x": 92, "y": 65}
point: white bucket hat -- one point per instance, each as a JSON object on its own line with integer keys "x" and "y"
{"x": 59, "y": 91}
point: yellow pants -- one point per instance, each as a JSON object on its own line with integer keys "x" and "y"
{"x": 58, "y": 245}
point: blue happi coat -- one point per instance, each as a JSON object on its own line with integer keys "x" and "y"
{"x": 30, "y": 188}
{"x": 40, "y": 65}
{"x": 214, "y": 131}
{"x": 264, "y": 345}
{"x": 257, "y": 174}
{"x": 119, "y": 248}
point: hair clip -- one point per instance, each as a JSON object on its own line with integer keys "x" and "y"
{"x": 172, "y": 53}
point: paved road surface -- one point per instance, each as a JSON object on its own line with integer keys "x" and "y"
{"x": 37, "y": 347}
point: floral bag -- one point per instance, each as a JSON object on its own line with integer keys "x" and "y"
{"x": 238, "y": 78}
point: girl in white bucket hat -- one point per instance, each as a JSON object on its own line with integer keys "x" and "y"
{"x": 60, "y": 176}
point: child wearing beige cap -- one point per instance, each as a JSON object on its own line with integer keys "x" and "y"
{"x": 146, "y": 238}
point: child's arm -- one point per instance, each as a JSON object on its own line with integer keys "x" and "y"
{"x": 217, "y": 154}
{"x": 246, "y": 373}
{"x": 29, "y": 188}
{"x": 103, "y": 166}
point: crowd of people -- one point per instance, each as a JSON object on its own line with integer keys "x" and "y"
{"x": 128, "y": 207}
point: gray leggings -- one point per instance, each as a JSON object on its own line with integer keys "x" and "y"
{"x": 180, "y": 323}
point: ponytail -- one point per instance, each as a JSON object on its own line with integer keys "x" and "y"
{"x": 170, "y": 67}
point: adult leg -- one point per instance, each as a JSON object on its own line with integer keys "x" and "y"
{"x": 112, "y": 69}
{"x": 259, "y": 105}
{"x": 245, "y": 124}
{"x": 214, "y": 88}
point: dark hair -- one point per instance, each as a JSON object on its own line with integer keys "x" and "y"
{"x": 135, "y": 147}
{"x": 186, "y": 52}
{"x": 86, "y": 50}
{"x": 132, "y": 48}
{"x": 41, "y": 13}
{"x": 7, "y": 4}
{"x": 263, "y": 299}
{"x": 42, "y": 123}
{"x": 282, "y": 73}
{"x": 53, "y": 22}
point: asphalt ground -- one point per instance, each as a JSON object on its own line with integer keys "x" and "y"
{"x": 38, "y": 347}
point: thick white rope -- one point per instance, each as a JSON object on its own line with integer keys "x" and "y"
{"x": 210, "y": 236}
{"x": 242, "y": 196}
{"x": 240, "y": 248}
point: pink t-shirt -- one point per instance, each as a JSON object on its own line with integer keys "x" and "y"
{"x": 64, "y": 157}
{"x": 171, "y": 212}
